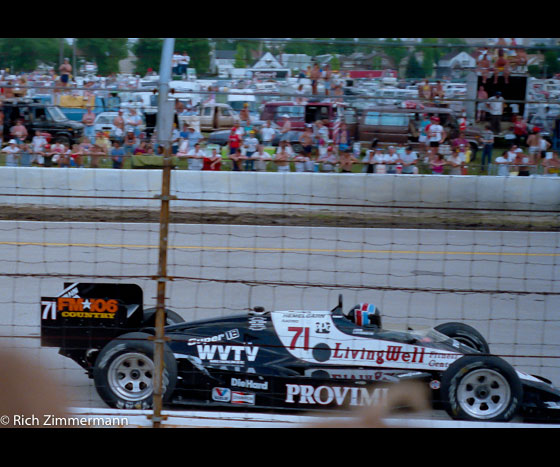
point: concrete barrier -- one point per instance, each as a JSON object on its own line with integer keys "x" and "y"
{"x": 343, "y": 192}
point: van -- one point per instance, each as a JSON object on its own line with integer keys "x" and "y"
{"x": 398, "y": 125}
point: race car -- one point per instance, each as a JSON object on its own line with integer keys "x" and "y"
{"x": 299, "y": 360}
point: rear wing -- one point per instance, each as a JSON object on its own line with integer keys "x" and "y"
{"x": 87, "y": 315}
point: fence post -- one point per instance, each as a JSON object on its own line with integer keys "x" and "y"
{"x": 164, "y": 138}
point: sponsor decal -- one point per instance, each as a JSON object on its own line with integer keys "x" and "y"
{"x": 76, "y": 307}
{"x": 337, "y": 395}
{"x": 393, "y": 353}
{"x": 257, "y": 323}
{"x": 323, "y": 327}
{"x": 435, "y": 384}
{"x": 249, "y": 384}
{"x": 242, "y": 398}
{"x": 221, "y": 394}
{"x": 228, "y": 335}
{"x": 227, "y": 354}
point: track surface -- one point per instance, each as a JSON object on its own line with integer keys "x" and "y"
{"x": 396, "y": 269}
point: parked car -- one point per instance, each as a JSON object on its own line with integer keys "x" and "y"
{"x": 213, "y": 116}
{"x": 37, "y": 116}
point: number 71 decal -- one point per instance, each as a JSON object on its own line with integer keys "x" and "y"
{"x": 298, "y": 332}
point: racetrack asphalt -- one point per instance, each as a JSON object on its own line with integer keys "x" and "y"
{"x": 505, "y": 284}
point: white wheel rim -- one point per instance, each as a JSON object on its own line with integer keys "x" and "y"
{"x": 483, "y": 394}
{"x": 130, "y": 376}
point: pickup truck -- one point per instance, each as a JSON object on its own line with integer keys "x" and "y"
{"x": 37, "y": 116}
{"x": 212, "y": 117}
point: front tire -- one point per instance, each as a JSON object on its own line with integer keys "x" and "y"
{"x": 124, "y": 372}
{"x": 481, "y": 388}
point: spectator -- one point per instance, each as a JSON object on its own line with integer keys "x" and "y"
{"x": 300, "y": 95}
{"x": 551, "y": 164}
{"x": 437, "y": 164}
{"x": 391, "y": 159}
{"x": 63, "y": 158}
{"x": 328, "y": 161}
{"x": 194, "y": 136}
{"x": 250, "y": 144}
{"x": 300, "y": 161}
{"x": 457, "y": 161}
{"x": 119, "y": 124}
{"x": 244, "y": 115}
{"x": 501, "y": 65}
{"x": 286, "y": 128}
{"x": 38, "y": 145}
{"x": 18, "y": 131}
{"x": 347, "y": 160}
{"x": 55, "y": 152}
{"x": 487, "y": 139}
{"x": 130, "y": 143}
{"x": 196, "y": 157}
{"x": 368, "y": 159}
{"x": 11, "y": 151}
{"x": 88, "y": 119}
{"x": 117, "y": 155}
{"x": 315, "y": 77}
{"x": 425, "y": 90}
{"x": 103, "y": 141}
{"x": 343, "y": 138}
{"x": 484, "y": 66}
{"x": 306, "y": 140}
{"x": 408, "y": 160}
{"x": 523, "y": 163}
{"x": 496, "y": 109}
{"x": 212, "y": 161}
{"x": 1, "y": 125}
{"x": 327, "y": 77}
{"x": 234, "y": 140}
{"x": 133, "y": 122}
{"x": 96, "y": 153}
{"x": 519, "y": 130}
{"x": 436, "y": 133}
{"x": 423, "y": 136}
{"x": 183, "y": 64}
{"x": 267, "y": 134}
{"x": 76, "y": 156}
{"x": 65, "y": 70}
{"x": 481, "y": 107}
{"x": 262, "y": 157}
{"x": 282, "y": 158}
{"x": 321, "y": 131}
{"x": 237, "y": 159}
{"x": 537, "y": 144}
{"x": 460, "y": 140}
{"x": 502, "y": 163}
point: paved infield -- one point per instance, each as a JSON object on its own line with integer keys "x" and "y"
{"x": 506, "y": 284}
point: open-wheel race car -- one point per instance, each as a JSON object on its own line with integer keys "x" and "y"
{"x": 300, "y": 360}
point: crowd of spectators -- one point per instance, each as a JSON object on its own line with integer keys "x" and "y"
{"x": 250, "y": 149}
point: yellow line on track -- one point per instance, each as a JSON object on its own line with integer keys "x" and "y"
{"x": 280, "y": 250}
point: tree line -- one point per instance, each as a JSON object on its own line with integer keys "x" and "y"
{"x": 25, "y": 54}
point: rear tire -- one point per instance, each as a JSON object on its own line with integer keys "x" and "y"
{"x": 465, "y": 334}
{"x": 481, "y": 388}
{"x": 124, "y": 372}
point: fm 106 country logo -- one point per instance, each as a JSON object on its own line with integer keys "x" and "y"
{"x": 75, "y": 307}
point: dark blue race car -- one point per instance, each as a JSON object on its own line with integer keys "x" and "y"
{"x": 283, "y": 360}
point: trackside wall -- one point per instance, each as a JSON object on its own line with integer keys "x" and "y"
{"x": 137, "y": 188}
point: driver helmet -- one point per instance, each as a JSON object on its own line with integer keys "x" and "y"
{"x": 365, "y": 315}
